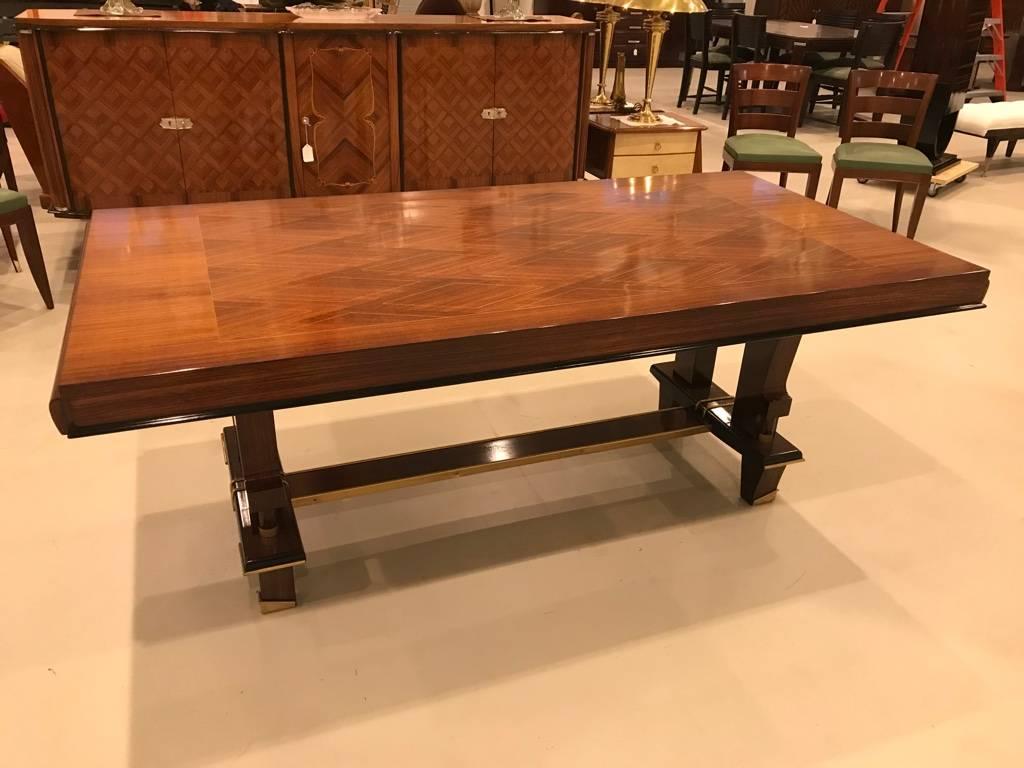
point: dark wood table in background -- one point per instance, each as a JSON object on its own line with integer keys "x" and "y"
{"x": 238, "y": 309}
{"x": 798, "y": 37}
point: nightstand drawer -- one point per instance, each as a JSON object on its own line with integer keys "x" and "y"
{"x": 655, "y": 143}
{"x": 650, "y": 165}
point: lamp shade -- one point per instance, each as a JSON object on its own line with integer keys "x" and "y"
{"x": 655, "y": 6}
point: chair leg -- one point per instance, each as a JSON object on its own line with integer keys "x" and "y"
{"x": 701, "y": 84}
{"x": 11, "y": 251}
{"x": 808, "y": 106}
{"x": 728, "y": 99}
{"x": 783, "y": 178}
{"x": 725, "y": 166}
{"x": 33, "y": 253}
{"x": 684, "y": 84}
{"x": 897, "y": 205}
{"x": 835, "y": 190}
{"x": 719, "y": 85}
{"x": 915, "y": 212}
{"x": 1010, "y": 146}
{"x": 813, "y": 178}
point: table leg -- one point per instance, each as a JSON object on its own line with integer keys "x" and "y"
{"x": 761, "y": 400}
{"x": 270, "y": 542}
{"x": 695, "y": 368}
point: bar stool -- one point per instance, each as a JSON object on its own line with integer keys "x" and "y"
{"x": 15, "y": 210}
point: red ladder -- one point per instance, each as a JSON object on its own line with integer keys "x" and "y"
{"x": 998, "y": 32}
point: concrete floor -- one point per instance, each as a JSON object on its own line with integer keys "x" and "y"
{"x": 618, "y": 609}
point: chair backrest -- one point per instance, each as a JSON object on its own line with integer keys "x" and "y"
{"x": 845, "y": 19}
{"x": 896, "y": 17}
{"x": 906, "y": 94}
{"x": 698, "y": 31}
{"x": 877, "y": 38}
{"x": 768, "y": 109}
{"x": 749, "y": 32}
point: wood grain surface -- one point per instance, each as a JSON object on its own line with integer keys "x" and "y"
{"x": 231, "y": 86}
{"x": 343, "y": 88}
{"x": 51, "y": 18}
{"x": 110, "y": 91}
{"x": 192, "y": 311}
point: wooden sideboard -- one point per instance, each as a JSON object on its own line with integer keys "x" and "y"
{"x": 136, "y": 112}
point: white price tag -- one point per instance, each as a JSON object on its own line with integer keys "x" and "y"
{"x": 307, "y": 153}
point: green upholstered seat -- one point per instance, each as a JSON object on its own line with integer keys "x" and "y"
{"x": 11, "y": 201}
{"x": 874, "y": 156}
{"x": 770, "y": 148}
{"x": 716, "y": 59}
{"x": 835, "y": 74}
{"x": 822, "y": 59}
{"x": 874, "y": 62}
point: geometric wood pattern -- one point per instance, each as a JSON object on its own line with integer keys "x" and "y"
{"x": 110, "y": 90}
{"x": 447, "y": 80}
{"x": 242, "y": 304}
{"x": 342, "y": 86}
{"x": 538, "y": 88}
{"x": 230, "y": 86}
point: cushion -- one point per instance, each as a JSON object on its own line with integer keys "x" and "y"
{"x": 11, "y": 201}
{"x": 715, "y": 59}
{"x": 873, "y": 62}
{"x": 822, "y": 59}
{"x": 837, "y": 74}
{"x": 882, "y": 157}
{"x": 770, "y": 148}
{"x": 979, "y": 119}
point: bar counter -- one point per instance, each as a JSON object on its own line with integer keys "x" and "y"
{"x": 267, "y": 105}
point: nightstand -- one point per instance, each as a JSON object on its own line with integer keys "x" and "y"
{"x": 617, "y": 150}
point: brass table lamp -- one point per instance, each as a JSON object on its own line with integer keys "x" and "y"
{"x": 655, "y": 24}
{"x": 607, "y": 18}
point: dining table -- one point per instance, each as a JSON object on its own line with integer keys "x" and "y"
{"x": 798, "y": 37}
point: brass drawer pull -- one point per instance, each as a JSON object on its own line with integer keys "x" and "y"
{"x": 657, "y": 146}
{"x": 494, "y": 113}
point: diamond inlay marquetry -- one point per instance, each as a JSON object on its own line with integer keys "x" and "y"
{"x": 110, "y": 90}
{"x": 230, "y": 87}
{"x": 447, "y": 81}
{"x": 342, "y": 87}
{"x": 537, "y": 142}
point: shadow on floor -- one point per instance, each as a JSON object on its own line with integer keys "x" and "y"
{"x": 523, "y": 570}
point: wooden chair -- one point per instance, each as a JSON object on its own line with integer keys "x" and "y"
{"x": 769, "y": 151}
{"x": 7, "y": 173}
{"x": 749, "y": 42}
{"x": 907, "y": 95}
{"x": 697, "y": 52}
{"x": 875, "y": 49}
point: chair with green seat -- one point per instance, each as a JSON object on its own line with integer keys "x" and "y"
{"x": 15, "y": 210}
{"x": 773, "y": 109}
{"x": 875, "y": 48}
{"x": 906, "y": 95}
{"x": 697, "y": 52}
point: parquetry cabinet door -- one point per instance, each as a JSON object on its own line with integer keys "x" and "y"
{"x": 110, "y": 90}
{"x": 447, "y": 83}
{"x": 538, "y": 87}
{"x": 344, "y": 114}
{"x": 228, "y": 87}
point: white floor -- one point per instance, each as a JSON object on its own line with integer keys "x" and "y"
{"x": 619, "y": 609}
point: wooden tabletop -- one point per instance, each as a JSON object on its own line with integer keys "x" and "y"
{"x": 43, "y": 18}
{"x": 195, "y": 311}
{"x": 797, "y": 31}
{"x": 612, "y": 124}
